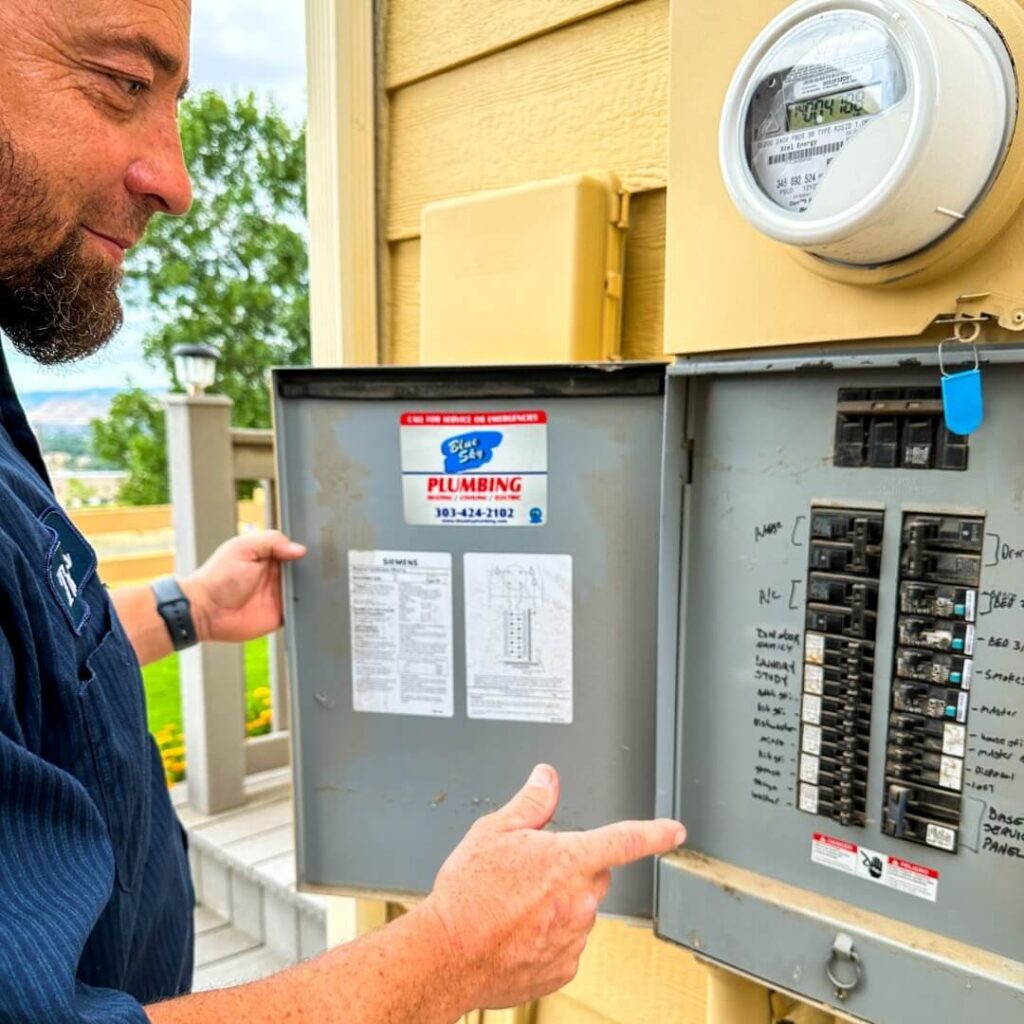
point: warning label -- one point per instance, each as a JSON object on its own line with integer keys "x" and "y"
{"x": 475, "y": 468}
{"x": 893, "y": 872}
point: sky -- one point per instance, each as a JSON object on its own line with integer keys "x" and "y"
{"x": 237, "y": 45}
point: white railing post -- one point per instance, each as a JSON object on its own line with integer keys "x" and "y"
{"x": 212, "y": 675}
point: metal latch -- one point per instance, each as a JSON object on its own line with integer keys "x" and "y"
{"x": 843, "y": 967}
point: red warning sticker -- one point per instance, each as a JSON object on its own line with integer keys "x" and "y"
{"x": 893, "y": 872}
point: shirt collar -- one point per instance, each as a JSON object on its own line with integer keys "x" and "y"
{"x": 13, "y": 420}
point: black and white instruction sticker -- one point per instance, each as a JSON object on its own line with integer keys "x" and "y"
{"x": 519, "y": 637}
{"x": 401, "y": 616}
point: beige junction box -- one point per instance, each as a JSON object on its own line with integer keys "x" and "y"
{"x": 731, "y": 286}
{"x": 525, "y": 274}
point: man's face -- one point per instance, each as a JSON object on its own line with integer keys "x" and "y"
{"x": 89, "y": 151}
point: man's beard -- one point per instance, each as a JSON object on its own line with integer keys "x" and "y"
{"x": 59, "y": 306}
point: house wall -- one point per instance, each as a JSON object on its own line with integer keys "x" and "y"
{"x": 482, "y": 94}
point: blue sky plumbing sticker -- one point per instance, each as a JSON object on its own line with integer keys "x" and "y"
{"x": 475, "y": 468}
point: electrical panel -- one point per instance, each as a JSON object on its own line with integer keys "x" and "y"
{"x": 848, "y": 689}
{"x": 681, "y": 588}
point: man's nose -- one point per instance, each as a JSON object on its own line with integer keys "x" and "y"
{"x": 160, "y": 174}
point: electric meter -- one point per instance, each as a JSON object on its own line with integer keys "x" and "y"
{"x": 863, "y": 131}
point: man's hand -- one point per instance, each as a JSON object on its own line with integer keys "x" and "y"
{"x": 517, "y": 903}
{"x": 236, "y": 594}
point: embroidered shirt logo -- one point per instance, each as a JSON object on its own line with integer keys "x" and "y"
{"x": 70, "y": 565}
{"x": 66, "y": 580}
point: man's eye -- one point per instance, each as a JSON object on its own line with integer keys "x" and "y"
{"x": 130, "y": 86}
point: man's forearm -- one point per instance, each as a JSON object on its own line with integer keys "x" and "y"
{"x": 136, "y": 608}
{"x": 147, "y": 631}
{"x": 400, "y": 974}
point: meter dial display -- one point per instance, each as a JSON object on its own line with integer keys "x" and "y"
{"x": 815, "y": 91}
{"x": 863, "y": 131}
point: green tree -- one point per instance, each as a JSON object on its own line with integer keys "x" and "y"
{"x": 233, "y": 273}
{"x": 134, "y": 437}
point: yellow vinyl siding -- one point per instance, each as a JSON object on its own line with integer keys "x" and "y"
{"x": 423, "y": 39}
{"x": 484, "y": 94}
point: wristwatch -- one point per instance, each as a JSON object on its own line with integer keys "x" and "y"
{"x": 175, "y": 610}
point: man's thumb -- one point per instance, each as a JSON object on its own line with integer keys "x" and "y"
{"x": 534, "y": 805}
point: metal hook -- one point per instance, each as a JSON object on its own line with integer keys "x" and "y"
{"x": 961, "y": 341}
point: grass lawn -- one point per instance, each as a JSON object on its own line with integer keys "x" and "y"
{"x": 163, "y": 689}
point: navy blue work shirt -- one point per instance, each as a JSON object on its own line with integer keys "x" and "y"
{"x": 95, "y": 896}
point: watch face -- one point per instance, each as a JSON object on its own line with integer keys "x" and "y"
{"x": 817, "y": 87}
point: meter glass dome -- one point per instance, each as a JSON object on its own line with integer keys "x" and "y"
{"x": 863, "y": 131}
{"x": 815, "y": 90}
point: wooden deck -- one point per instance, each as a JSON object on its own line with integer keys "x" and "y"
{"x": 250, "y": 919}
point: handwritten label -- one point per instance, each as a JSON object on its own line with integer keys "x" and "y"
{"x": 767, "y": 530}
{"x": 1003, "y": 834}
{"x": 774, "y": 674}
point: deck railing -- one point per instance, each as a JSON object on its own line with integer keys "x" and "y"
{"x": 207, "y": 459}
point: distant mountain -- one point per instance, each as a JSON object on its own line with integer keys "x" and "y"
{"x": 68, "y": 410}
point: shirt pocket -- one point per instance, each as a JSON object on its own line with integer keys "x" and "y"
{"x": 114, "y": 711}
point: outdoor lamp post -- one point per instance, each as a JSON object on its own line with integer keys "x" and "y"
{"x": 195, "y": 366}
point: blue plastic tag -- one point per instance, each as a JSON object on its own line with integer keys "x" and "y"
{"x": 961, "y": 401}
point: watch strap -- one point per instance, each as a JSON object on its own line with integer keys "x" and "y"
{"x": 174, "y": 608}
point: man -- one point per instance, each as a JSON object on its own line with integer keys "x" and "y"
{"x": 95, "y": 899}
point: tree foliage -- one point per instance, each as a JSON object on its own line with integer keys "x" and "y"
{"x": 134, "y": 437}
{"x": 233, "y": 273}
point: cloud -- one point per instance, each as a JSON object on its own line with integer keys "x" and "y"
{"x": 238, "y": 45}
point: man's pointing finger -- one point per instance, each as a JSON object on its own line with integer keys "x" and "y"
{"x": 625, "y": 842}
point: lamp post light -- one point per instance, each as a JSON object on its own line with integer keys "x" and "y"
{"x": 195, "y": 367}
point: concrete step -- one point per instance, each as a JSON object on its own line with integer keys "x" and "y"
{"x": 243, "y": 869}
{"x": 226, "y": 956}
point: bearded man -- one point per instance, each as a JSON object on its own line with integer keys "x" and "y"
{"x": 95, "y": 897}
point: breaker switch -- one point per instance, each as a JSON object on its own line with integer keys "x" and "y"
{"x": 950, "y": 450}
{"x": 937, "y": 634}
{"x": 943, "y": 601}
{"x": 918, "y": 444}
{"x": 896, "y": 810}
{"x": 884, "y": 443}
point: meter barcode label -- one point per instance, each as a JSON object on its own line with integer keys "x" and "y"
{"x": 809, "y": 153}
{"x": 894, "y": 873}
